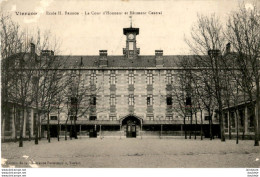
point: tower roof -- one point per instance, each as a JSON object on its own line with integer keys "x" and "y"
{"x": 131, "y": 30}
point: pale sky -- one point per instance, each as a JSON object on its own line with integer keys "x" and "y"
{"x": 87, "y": 34}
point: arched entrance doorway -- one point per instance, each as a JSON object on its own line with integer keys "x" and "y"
{"x": 131, "y": 124}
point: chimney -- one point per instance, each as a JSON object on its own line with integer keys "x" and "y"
{"x": 47, "y": 53}
{"x": 103, "y": 58}
{"x": 103, "y": 53}
{"x": 159, "y": 58}
{"x": 228, "y": 48}
{"x": 32, "y": 48}
{"x": 213, "y": 53}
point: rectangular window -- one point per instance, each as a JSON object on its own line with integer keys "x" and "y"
{"x": 150, "y": 117}
{"x": 149, "y": 100}
{"x": 169, "y": 100}
{"x": 73, "y": 101}
{"x": 150, "y": 78}
{"x": 131, "y": 78}
{"x": 131, "y": 99}
{"x": 112, "y": 100}
{"x": 93, "y": 78}
{"x": 112, "y": 117}
{"x": 73, "y": 118}
{"x": 169, "y": 117}
{"x": 169, "y": 77}
{"x": 93, "y": 100}
{"x": 112, "y": 78}
{"x": 54, "y": 118}
{"x": 188, "y": 101}
{"x": 93, "y": 118}
{"x": 207, "y": 117}
{"x": 73, "y": 105}
{"x": 131, "y": 46}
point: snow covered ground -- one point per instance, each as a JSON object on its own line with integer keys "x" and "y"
{"x": 134, "y": 153}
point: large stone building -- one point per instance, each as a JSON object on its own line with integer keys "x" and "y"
{"x": 131, "y": 95}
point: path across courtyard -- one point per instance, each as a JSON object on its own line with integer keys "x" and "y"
{"x": 134, "y": 153}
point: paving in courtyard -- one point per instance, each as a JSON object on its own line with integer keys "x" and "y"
{"x": 134, "y": 153}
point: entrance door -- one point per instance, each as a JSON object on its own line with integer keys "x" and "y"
{"x": 53, "y": 130}
{"x": 131, "y": 130}
{"x": 93, "y": 132}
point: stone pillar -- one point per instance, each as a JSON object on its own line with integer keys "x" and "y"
{"x": 100, "y": 129}
{"x": 246, "y": 119}
{"x": 60, "y": 128}
{"x": 40, "y": 127}
{"x": 3, "y": 129}
{"x": 13, "y": 123}
{"x": 24, "y": 123}
{"x": 229, "y": 121}
{"x": 161, "y": 131}
{"x": 31, "y": 124}
{"x": 79, "y": 130}
{"x": 141, "y": 130}
{"x": 120, "y": 130}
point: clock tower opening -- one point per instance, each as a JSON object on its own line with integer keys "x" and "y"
{"x": 131, "y": 51}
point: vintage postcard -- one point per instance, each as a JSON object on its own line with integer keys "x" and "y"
{"x": 130, "y": 84}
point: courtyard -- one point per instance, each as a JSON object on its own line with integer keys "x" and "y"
{"x": 131, "y": 153}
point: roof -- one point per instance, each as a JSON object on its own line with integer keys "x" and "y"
{"x": 120, "y": 61}
{"x": 131, "y": 30}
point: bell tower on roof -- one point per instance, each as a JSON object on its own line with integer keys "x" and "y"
{"x": 131, "y": 51}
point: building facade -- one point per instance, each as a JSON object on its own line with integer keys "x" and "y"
{"x": 130, "y": 95}
{"x": 133, "y": 95}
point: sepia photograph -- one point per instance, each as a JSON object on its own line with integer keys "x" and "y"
{"x": 130, "y": 84}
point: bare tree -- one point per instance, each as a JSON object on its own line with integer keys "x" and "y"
{"x": 17, "y": 71}
{"x": 244, "y": 34}
{"x": 206, "y": 44}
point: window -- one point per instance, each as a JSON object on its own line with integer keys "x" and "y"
{"x": 112, "y": 118}
{"x": 112, "y": 100}
{"x": 149, "y": 100}
{"x": 150, "y": 117}
{"x": 207, "y": 117}
{"x": 131, "y": 99}
{"x": 93, "y": 118}
{"x": 73, "y": 101}
{"x": 169, "y": 117}
{"x": 93, "y": 100}
{"x": 188, "y": 101}
{"x": 112, "y": 78}
{"x": 131, "y": 46}
{"x": 73, "y": 118}
{"x": 54, "y": 118}
{"x": 169, "y": 77}
{"x": 149, "y": 78}
{"x": 169, "y": 100}
{"x": 93, "y": 78}
{"x": 73, "y": 105}
{"x": 131, "y": 78}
